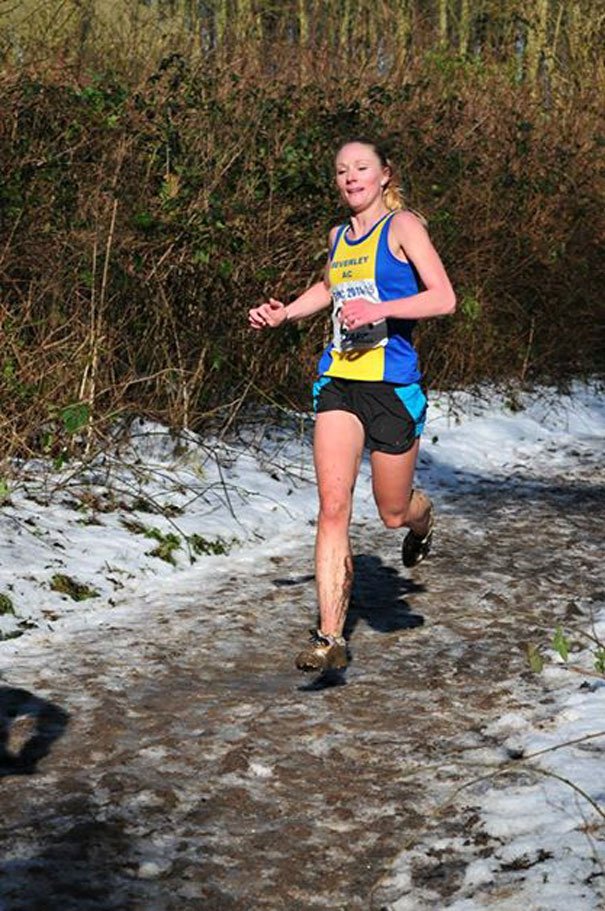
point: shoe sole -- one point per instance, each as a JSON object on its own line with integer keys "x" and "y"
{"x": 421, "y": 554}
{"x": 336, "y": 664}
{"x": 426, "y": 544}
{"x": 307, "y": 668}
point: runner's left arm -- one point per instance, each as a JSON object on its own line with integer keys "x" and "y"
{"x": 437, "y": 297}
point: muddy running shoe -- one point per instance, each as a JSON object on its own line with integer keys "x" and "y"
{"x": 416, "y": 547}
{"x": 323, "y": 653}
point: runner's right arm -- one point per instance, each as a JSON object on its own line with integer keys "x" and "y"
{"x": 274, "y": 313}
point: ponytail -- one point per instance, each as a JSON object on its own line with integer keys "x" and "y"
{"x": 391, "y": 192}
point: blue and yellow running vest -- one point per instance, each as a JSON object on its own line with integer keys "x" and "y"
{"x": 367, "y": 268}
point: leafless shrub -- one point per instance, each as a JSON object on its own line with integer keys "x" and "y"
{"x": 163, "y": 175}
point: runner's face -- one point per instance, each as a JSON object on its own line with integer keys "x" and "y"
{"x": 360, "y": 175}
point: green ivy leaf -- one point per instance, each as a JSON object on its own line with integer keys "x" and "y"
{"x": 599, "y": 660}
{"x": 535, "y": 659}
{"x": 561, "y": 643}
{"x": 145, "y": 221}
{"x": 470, "y": 307}
{"x": 75, "y": 417}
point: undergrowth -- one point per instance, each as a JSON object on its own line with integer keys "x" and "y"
{"x": 153, "y": 191}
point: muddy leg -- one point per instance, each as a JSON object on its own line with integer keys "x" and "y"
{"x": 338, "y": 448}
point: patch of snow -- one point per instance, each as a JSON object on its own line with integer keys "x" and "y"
{"x": 161, "y": 514}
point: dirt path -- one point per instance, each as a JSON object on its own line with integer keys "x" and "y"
{"x": 181, "y": 763}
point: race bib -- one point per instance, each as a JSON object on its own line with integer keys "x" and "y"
{"x": 374, "y": 335}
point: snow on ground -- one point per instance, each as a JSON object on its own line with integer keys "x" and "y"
{"x": 155, "y": 512}
{"x": 538, "y": 820}
{"x": 544, "y": 810}
{"x": 153, "y": 507}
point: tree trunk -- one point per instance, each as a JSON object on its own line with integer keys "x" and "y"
{"x": 464, "y": 31}
{"x": 403, "y": 31}
{"x": 303, "y": 24}
{"x": 537, "y": 40}
{"x": 345, "y": 25}
{"x": 443, "y": 22}
{"x": 220, "y": 23}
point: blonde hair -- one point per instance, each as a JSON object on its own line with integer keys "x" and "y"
{"x": 392, "y": 192}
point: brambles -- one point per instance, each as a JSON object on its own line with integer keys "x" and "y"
{"x": 154, "y": 191}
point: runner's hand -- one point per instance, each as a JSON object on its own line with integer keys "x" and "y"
{"x": 358, "y": 312}
{"x": 269, "y": 315}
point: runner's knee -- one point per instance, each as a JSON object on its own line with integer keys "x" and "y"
{"x": 416, "y": 510}
{"x": 393, "y": 518}
{"x": 397, "y": 514}
{"x": 335, "y": 509}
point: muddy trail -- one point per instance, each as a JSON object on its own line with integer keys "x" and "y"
{"x": 174, "y": 759}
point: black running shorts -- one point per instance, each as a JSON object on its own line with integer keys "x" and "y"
{"x": 392, "y": 416}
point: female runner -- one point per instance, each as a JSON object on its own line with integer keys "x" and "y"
{"x": 382, "y": 275}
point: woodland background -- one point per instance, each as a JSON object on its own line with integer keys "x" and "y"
{"x": 166, "y": 165}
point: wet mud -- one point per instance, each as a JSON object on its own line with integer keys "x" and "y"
{"x": 180, "y": 762}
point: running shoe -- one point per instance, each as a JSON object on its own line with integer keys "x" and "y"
{"x": 416, "y": 547}
{"x": 323, "y": 653}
